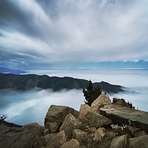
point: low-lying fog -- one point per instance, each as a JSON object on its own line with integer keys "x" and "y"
{"x": 32, "y": 106}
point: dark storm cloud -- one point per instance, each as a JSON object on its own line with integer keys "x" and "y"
{"x": 13, "y": 18}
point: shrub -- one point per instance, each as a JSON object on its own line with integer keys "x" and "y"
{"x": 122, "y": 102}
{"x": 3, "y": 117}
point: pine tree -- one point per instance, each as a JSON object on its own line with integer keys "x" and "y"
{"x": 91, "y": 93}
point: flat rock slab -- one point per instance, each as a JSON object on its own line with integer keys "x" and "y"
{"x": 124, "y": 115}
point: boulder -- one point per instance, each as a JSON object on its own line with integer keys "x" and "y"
{"x": 119, "y": 142}
{"x": 110, "y": 134}
{"x": 99, "y": 134}
{"x": 79, "y": 135}
{"x": 136, "y": 132}
{"x": 122, "y": 102}
{"x": 140, "y": 133}
{"x": 102, "y": 100}
{"x": 96, "y": 120}
{"x": 4, "y": 128}
{"x": 22, "y": 137}
{"x": 35, "y": 127}
{"x": 91, "y": 129}
{"x": 56, "y": 115}
{"x": 138, "y": 142}
{"x": 83, "y": 111}
{"x": 132, "y": 129}
{"x": 70, "y": 123}
{"x": 125, "y": 115}
{"x": 48, "y": 137}
{"x": 65, "y": 127}
{"x": 56, "y": 140}
{"x": 46, "y": 131}
{"x": 73, "y": 143}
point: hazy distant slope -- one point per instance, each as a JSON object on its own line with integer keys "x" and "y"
{"x": 8, "y": 70}
{"x": 30, "y": 81}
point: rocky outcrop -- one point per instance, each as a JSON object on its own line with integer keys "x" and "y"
{"x": 56, "y": 115}
{"x": 73, "y": 143}
{"x": 119, "y": 142}
{"x": 125, "y": 115}
{"x": 138, "y": 142}
{"x": 84, "y": 109}
{"x": 68, "y": 128}
{"x": 56, "y": 140}
{"x": 99, "y": 134}
{"x": 122, "y": 102}
{"x": 100, "y": 102}
{"x": 96, "y": 120}
{"x": 27, "y": 136}
{"x": 79, "y": 135}
{"x": 69, "y": 124}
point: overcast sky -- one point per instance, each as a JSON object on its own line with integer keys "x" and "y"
{"x": 49, "y": 31}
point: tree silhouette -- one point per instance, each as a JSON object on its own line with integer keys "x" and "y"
{"x": 91, "y": 93}
{"x": 3, "y": 117}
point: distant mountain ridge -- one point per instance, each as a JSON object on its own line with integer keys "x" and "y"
{"x": 8, "y": 70}
{"x": 139, "y": 64}
{"x": 31, "y": 81}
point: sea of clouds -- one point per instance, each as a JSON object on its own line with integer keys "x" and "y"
{"x": 32, "y": 106}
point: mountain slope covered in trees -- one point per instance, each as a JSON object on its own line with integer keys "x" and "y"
{"x": 31, "y": 81}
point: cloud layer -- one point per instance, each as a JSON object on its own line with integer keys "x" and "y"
{"x": 32, "y": 106}
{"x": 51, "y": 31}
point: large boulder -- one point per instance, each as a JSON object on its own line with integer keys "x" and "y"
{"x": 37, "y": 129}
{"x": 56, "y": 115}
{"x": 138, "y": 142}
{"x": 99, "y": 134}
{"x": 23, "y": 137}
{"x": 79, "y": 135}
{"x": 70, "y": 123}
{"x": 102, "y": 100}
{"x": 133, "y": 130}
{"x": 140, "y": 133}
{"x": 125, "y": 115}
{"x": 6, "y": 127}
{"x": 96, "y": 120}
{"x": 73, "y": 143}
{"x": 119, "y": 142}
{"x": 56, "y": 140}
{"x": 83, "y": 111}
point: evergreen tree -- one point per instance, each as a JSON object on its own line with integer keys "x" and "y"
{"x": 91, "y": 93}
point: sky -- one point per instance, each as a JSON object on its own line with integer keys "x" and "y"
{"x": 43, "y": 33}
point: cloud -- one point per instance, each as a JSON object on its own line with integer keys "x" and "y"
{"x": 32, "y": 106}
{"x": 50, "y": 31}
{"x": 28, "y": 107}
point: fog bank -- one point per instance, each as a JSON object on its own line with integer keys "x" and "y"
{"x": 32, "y": 106}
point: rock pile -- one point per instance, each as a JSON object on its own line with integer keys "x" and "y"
{"x": 91, "y": 127}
